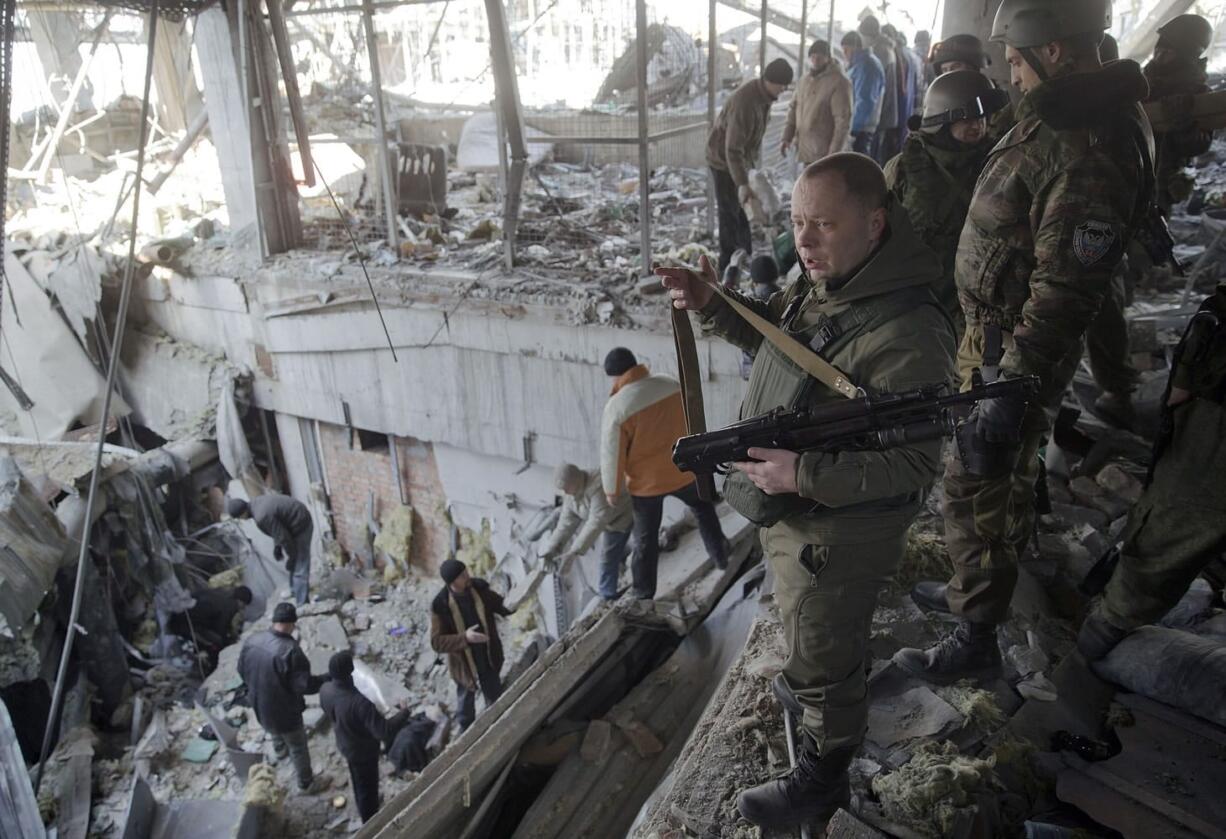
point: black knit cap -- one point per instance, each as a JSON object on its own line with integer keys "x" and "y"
{"x": 778, "y": 71}
{"x": 451, "y": 570}
{"x": 763, "y": 270}
{"x": 618, "y": 361}
{"x": 285, "y": 613}
{"x": 340, "y": 666}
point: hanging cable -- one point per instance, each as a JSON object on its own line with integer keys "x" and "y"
{"x": 125, "y": 296}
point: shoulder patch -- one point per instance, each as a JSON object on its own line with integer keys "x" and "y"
{"x": 1092, "y": 240}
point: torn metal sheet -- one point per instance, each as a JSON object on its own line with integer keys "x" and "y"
{"x": 32, "y": 541}
{"x": 41, "y": 352}
{"x": 1166, "y": 781}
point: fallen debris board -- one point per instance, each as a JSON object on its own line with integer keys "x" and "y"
{"x": 433, "y": 804}
{"x": 1167, "y": 780}
{"x": 843, "y": 825}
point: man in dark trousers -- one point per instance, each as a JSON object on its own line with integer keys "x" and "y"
{"x": 288, "y": 522}
{"x": 278, "y": 675}
{"x": 361, "y": 731}
{"x": 462, "y": 624}
{"x": 733, "y": 147}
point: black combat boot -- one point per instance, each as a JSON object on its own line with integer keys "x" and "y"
{"x": 811, "y": 792}
{"x": 1098, "y": 636}
{"x": 787, "y": 698}
{"x": 929, "y": 595}
{"x": 969, "y": 652}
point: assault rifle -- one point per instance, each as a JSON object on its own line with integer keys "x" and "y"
{"x": 870, "y": 423}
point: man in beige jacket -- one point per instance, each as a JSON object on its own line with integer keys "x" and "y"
{"x": 819, "y": 119}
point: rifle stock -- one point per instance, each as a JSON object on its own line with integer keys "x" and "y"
{"x": 865, "y": 424}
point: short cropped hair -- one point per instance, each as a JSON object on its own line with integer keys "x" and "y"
{"x": 861, "y": 176}
{"x": 853, "y": 39}
{"x": 819, "y": 47}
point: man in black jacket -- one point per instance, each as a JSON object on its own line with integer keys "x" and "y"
{"x": 462, "y": 624}
{"x": 278, "y": 674}
{"x": 288, "y": 522}
{"x": 360, "y": 731}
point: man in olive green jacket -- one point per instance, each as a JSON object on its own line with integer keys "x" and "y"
{"x": 733, "y": 148}
{"x": 864, "y": 302}
{"x": 1058, "y": 202}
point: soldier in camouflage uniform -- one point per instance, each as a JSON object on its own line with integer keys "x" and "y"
{"x": 966, "y": 52}
{"x": 1177, "y": 69}
{"x": 1179, "y": 525}
{"x": 834, "y": 524}
{"x": 1058, "y": 202}
{"x": 934, "y": 176}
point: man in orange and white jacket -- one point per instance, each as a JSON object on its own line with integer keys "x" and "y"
{"x": 643, "y": 418}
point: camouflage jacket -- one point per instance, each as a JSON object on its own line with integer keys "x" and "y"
{"x": 1053, "y": 211}
{"x": 1176, "y": 148}
{"x": 933, "y": 178}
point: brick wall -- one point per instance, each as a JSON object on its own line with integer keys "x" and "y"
{"x": 354, "y": 473}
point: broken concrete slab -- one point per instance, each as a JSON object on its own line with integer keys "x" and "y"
{"x": 843, "y": 825}
{"x": 320, "y": 636}
{"x": 1114, "y": 479}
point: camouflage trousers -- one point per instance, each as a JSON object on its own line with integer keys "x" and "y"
{"x": 988, "y": 521}
{"x": 1179, "y": 525}
{"x": 826, "y": 596}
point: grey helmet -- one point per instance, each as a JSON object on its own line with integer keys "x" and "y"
{"x": 1189, "y": 34}
{"x": 962, "y": 94}
{"x": 1032, "y": 23}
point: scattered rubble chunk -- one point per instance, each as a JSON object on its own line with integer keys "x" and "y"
{"x": 931, "y": 791}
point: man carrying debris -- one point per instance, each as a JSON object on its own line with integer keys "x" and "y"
{"x": 288, "y": 522}
{"x": 732, "y": 150}
{"x": 586, "y": 509}
{"x": 867, "y": 87}
{"x": 834, "y": 524}
{"x": 278, "y": 675}
{"x": 1058, "y": 202}
{"x": 463, "y": 625}
{"x": 1177, "y": 69}
{"x": 361, "y": 731}
{"x": 934, "y": 176}
{"x": 642, "y": 420}
{"x": 819, "y": 118}
{"x": 1179, "y": 525}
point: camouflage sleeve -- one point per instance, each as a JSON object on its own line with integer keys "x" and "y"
{"x": 924, "y": 356}
{"x": 1081, "y": 220}
{"x": 719, "y": 319}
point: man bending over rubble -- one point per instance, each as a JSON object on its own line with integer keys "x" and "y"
{"x": 586, "y": 510}
{"x": 462, "y": 624}
{"x": 277, "y": 675}
{"x": 288, "y": 522}
{"x": 834, "y": 524}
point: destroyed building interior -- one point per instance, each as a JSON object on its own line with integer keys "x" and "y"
{"x": 367, "y": 260}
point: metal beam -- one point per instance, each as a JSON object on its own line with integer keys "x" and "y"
{"x": 712, "y": 84}
{"x": 804, "y": 17}
{"x": 506, "y": 94}
{"x": 385, "y": 162}
{"x": 640, "y": 53}
{"x": 762, "y": 40}
{"x": 779, "y": 19}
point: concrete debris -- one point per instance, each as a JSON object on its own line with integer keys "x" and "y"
{"x": 1039, "y": 687}
{"x": 917, "y": 713}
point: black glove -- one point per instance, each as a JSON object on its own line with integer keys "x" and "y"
{"x": 278, "y": 552}
{"x": 1000, "y": 419}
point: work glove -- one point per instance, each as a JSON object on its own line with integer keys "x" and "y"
{"x": 1000, "y": 419}
{"x": 751, "y": 204}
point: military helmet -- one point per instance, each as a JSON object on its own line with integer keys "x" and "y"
{"x": 1189, "y": 34}
{"x": 966, "y": 48}
{"x": 962, "y": 94}
{"x": 1032, "y": 23}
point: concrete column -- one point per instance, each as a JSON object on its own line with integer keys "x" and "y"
{"x": 178, "y": 99}
{"x": 56, "y": 38}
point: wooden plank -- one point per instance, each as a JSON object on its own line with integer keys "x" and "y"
{"x": 433, "y": 802}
